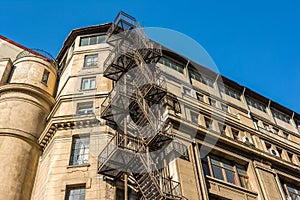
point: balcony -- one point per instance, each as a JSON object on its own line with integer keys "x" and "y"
{"x": 119, "y": 151}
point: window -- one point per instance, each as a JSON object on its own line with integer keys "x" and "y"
{"x": 230, "y": 92}
{"x": 91, "y": 40}
{"x": 235, "y": 134}
{"x": 90, "y": 61}
{"x": 226, "y": 170}
{"x": 201, "y": 78}
{"x": 256, "y": 104}
{"x": 281, "y": 116}
{"x": 290, "y": 155}
{"x": 186, "y": 91}
{"x": 200, "y": 97}
{"x": 194, "y": 117}
{"x": 80, "y": 150}
{"x": 291, "y": 191}
{"x": 222, "y": 128}
{"x": 85, "y": 108}
{"x": 275, "y": 130}
{"x": 208, "y": 123}
{"x": 255, "y": 123}
{"x": 213, "y": 103}
{"x": 132, "y": 195}
{"x": 75, "y": 193}
{"x": 266, "y": 127}
{"x": 88, "y": 83}
{"x": 224, "y": 107}
{"x": 171, "y": 64}
{"x": 286, "y": 135}
{"x": 45, "y": 76}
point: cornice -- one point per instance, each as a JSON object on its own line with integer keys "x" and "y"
{"x": 27, "y": 89}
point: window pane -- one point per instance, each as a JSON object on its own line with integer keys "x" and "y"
{"x": 101, "y": 39}
{"x": 230, "y": 176}
{"x": 215, "y": 161}
{"x": 92, "y": 83}
{"x": 205, "y": 169}
{"x": 75, "y": 193}
{"x": 84, "y": 41}
{"x": 93, "y": 40}
{"x": 91, "y": 61}
{"x": 244, "y": 182}
{"x": 217, "y": 172}
{"x": 228, "y": 165}
{"x": 85, "y": 84}
{"x": 80, "y": 151}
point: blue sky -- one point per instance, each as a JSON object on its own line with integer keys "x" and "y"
{"x": 255, "y": 43}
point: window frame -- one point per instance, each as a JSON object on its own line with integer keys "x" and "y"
{"x": 74, "y": 187}
{"x": 207, "y": 161}
{"x": 170, "y": 63}
{"x": 281, "y": 116}
{"x": 87, "y": 110}
{"x": 256, "y": 104}
{"x": 286, "y": 186}
{"x": 85, "y": 161}
{"x": 93, "y": 64}
{"x": 192, "y": 119}
{"x": 98, "y": 41}
{"x": 229, "y": 91}
{"x": 201, "y": 78}
{"x": 45, "y": 77}
{"x": 90, "y": 83}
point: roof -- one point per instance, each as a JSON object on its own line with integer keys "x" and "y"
{"x": 22, "y": 47}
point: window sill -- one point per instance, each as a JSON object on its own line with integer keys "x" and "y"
{"x": 231, "y": 185}
{"x": 78, "y": 166}
{"x": 87, "y": 90}
{"x": 46, "y": 84}
{"x": 93, "y": 67}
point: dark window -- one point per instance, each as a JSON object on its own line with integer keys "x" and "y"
{"x": 91, "y": 40}
{"x": 286, "y": 135}
{"x": 224, "y": 107}
{"x": 235, "y": 134}
{"x": 75, "y": 193}
{"x": 80, "y": 150}
{"x": 171, "y": 64}
{"x": 256, "y": 104}
{"x": 222, "y": 128}
{"x": 281, "y": 116}
{"x": 213, "y": 103}
{"x": 186, "y": 91}
{"x": 255, "y": 123}
{"x": 226, "y": 170}
{"x": 208, "y": 123}
{"x": 45, "y": 77}
{"x": 194, "y": 117}
{"x": 85, "y": 108}
{"x": 200, "y": 97}
{"x": 90, "y": 61}
{"x": 230, "y": 92}
{"x": 291, "y": 191}
{"x": 201, "y": 78}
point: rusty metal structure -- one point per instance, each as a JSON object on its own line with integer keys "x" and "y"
{"x": 144, "y": 143}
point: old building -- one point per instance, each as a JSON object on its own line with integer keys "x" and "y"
{"x": 118, "y": 116}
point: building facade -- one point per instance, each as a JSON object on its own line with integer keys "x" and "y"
{"x": 117, "y": 116}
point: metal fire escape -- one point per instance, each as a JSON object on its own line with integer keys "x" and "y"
{"x": 133, "y": 108}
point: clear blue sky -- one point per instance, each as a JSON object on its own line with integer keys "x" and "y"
{"x": 255, "y": 43}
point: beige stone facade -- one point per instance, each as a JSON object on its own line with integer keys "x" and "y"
{"x": 52, "y": 133}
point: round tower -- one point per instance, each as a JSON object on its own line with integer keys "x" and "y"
{"x": 25, "y": 102}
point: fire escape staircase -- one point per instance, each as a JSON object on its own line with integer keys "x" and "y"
{"x": 130, "y": 105}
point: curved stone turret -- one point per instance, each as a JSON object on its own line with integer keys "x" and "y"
{"x": 25, "y": 102}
